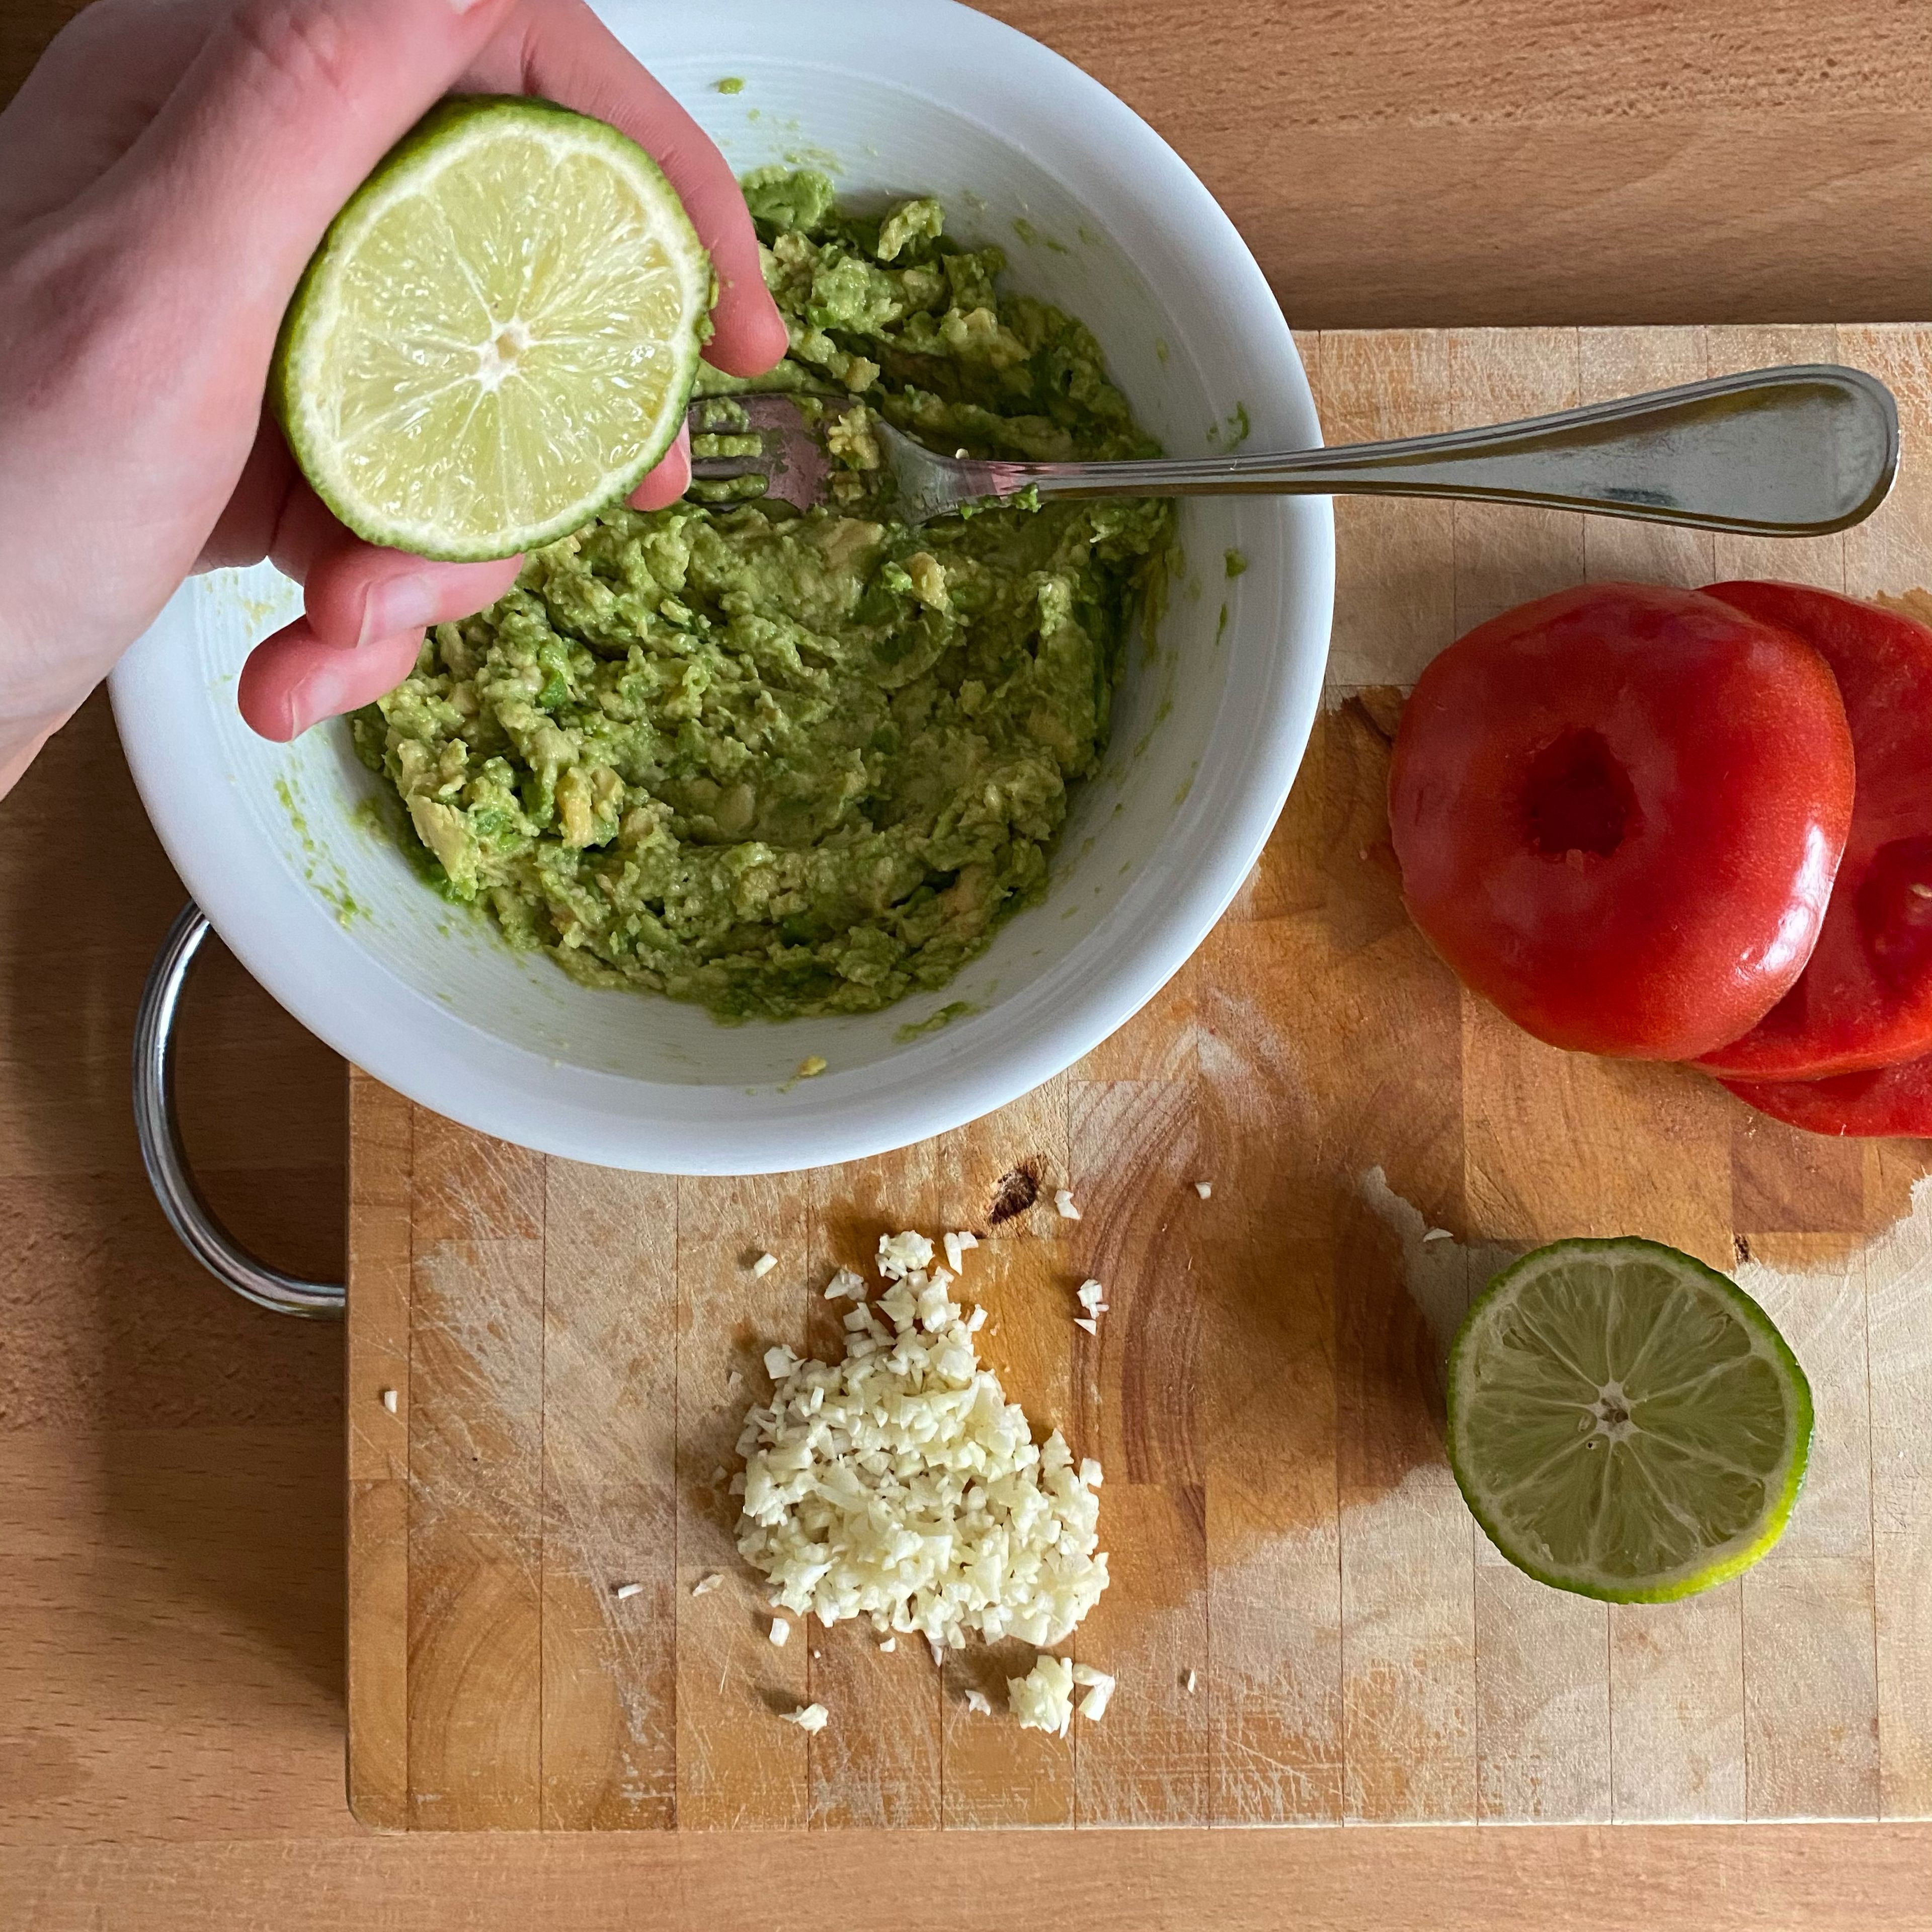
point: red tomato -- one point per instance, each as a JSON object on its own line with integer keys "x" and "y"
{"x": 1866, "y": 998}
{"x": 1619, "y": 811}
{"x": 1883, "y": 1100}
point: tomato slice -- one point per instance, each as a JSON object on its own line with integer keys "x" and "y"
{"x": 1881, "y": 1101}
{"x": 1865, "y": 1000}
{"x": 1618, "y": 811}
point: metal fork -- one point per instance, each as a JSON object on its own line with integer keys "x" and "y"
{"x": 1793, "y": 451}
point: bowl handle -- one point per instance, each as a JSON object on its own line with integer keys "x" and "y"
{"x": 166, "y": 1159}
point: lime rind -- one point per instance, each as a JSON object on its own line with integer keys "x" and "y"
{"x": 368, "y": 378}
{"x": 1731, "y": 1341}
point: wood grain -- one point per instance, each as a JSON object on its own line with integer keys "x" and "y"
{"x": 382, "y": 1201}
{"x": 1727, "y": 1879}
{"x": 1899, "y": 1338}
{"x": 610, "y": 1547}
{"x": 170, "y": 1703}
{"x": 1510, "y": 162}
{"x": 736, "y": 1764}
{"x": 1264, "y": 1388}
{"x": 477, "y": 1530}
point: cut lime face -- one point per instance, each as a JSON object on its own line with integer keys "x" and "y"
{"x": 498, "y": 335}
{"x": 1624, "y": 1422}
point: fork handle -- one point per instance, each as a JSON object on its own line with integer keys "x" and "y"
{"x": 1794, "y": 451}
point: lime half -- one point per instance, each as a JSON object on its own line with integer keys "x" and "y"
{"x": 1624, "y": 1422}
{"x": 498, "y": 335}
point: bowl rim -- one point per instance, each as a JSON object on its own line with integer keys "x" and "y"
{"x": 452, "y": 1066}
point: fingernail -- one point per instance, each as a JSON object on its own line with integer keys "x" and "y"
{"x": 396, "y": 605}
{"x": 302, "y": 713}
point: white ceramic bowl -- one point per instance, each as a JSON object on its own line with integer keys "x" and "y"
{"x": 1098, "y": 214}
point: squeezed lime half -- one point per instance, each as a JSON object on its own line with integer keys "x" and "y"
{"x": 498, "y": 335}
{"x": 1624, "y": 1422}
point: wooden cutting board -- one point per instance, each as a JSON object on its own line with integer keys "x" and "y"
{"x": 571, "y": 1349}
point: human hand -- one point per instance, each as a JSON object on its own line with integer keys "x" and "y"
{"x": 165, "y": 174}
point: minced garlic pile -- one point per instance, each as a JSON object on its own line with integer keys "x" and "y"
{"x": 900, "y": 1484}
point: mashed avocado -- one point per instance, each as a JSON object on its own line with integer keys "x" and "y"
{"x": 784, "y": 764}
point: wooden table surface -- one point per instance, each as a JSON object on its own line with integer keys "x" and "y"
{"x": 171, "y": 1712}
